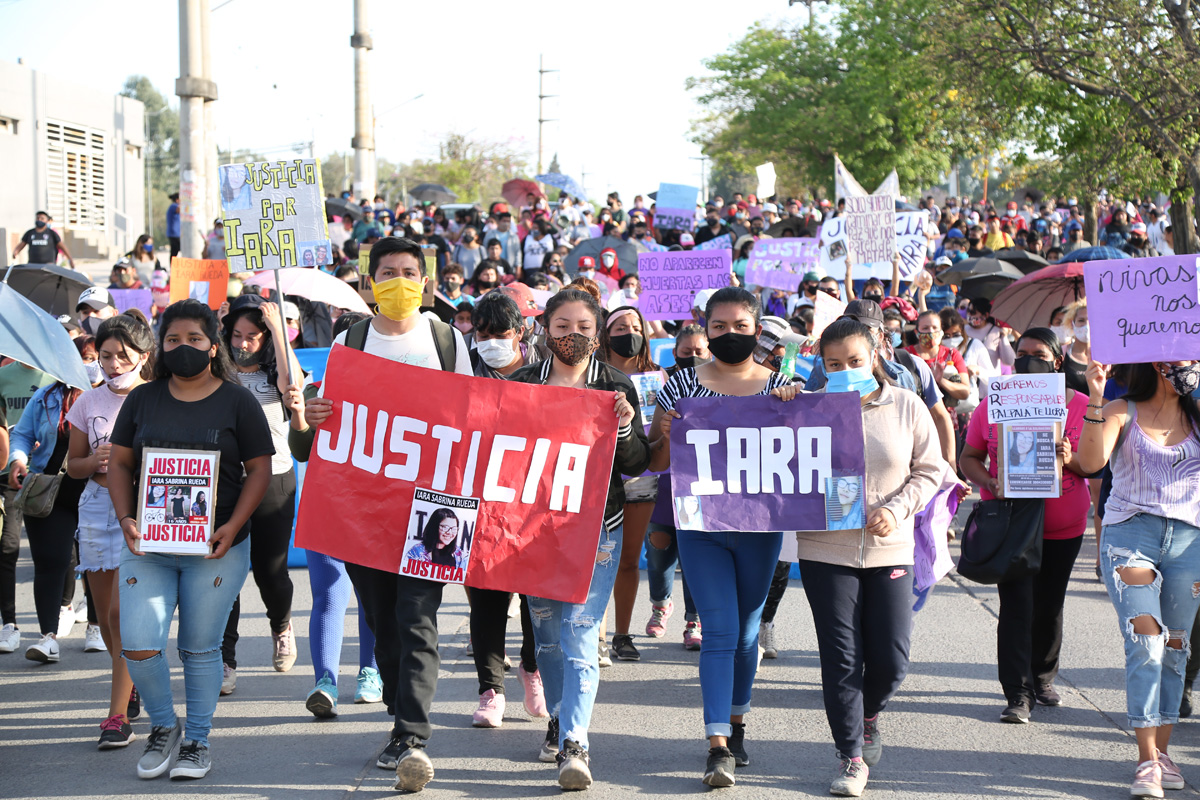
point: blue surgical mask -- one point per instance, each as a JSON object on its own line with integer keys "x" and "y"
{"x": 858, "y": 380}
{"x": 149, "y": 248}
{"x": 897, "y": 339}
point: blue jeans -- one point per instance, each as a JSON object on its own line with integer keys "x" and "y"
{"x": 152, "y": 586}
{"x": 568, "y": 641}
{"x": 1154, "y": 672}
{"x": 660, "y": 571}
{"x": 731, "y": 574}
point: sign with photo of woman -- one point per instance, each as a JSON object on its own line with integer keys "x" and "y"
{"x": 1028, "y": 460}
{"x": 441, "y": 529}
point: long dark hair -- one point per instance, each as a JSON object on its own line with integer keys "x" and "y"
{"x": 222, "y": 365}
{"x": 570, "y": 295}
{"x": 642, "y": 362}
{"x": 133, "y": 332}
{"x": 848, "y": 328}
{"x": 266, "y": 360}
{"x": 430, "y": 539}
{"x": 1141, "y": 382}
{"x": 1047, "y": 337}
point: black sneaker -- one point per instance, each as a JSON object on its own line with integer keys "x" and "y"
{"x": 115, "y": 732}
{"x": 719, "y": 769}
{"x": 623, "y": 649}
{"x": 391, "y": 754}
{"x": 1017, "y": 712}
{"x": 1047, "y": 696}
{"x": 574, "y": 770}
{"x": 737, "y": 745}
{"x": 134, "y": 709}
{"x": 1185, "y": 707}
{"x": 549, "y": 751}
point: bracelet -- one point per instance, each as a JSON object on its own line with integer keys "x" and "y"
{"x": 1094, "y": 406}
{"x": 1093, "y": 421}
{"x": 127, "y": 516}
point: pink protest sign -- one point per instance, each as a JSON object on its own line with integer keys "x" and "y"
{"x": 781, "y": 263}
{"x": 1143, "y": 309}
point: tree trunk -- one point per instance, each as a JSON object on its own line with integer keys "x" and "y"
{"x": 1089, "y": 206}
{"x": 1183, "y": 209}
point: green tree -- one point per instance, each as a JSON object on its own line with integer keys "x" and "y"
{"x": 161, "y": 158}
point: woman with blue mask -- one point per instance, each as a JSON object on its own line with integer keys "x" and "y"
{"x": 858, "y": 579}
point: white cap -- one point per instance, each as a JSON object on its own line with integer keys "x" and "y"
{"x": 774, "y": 209}
{"x": 943, "y": 261}
{"x": 290, "y": 310}
{"x": 702, "y": 298}
{"x": 95, "y": 296}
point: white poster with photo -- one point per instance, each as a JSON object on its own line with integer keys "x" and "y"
{"x": 648, "y": 385}
{"x": 441, "y": 529}
{"x": 177, "y": 498}
{"x": 1027, "y": 456}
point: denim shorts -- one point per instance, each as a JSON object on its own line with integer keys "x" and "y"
{"x": 99, "y": 532}
{"x": 641, "y": 490}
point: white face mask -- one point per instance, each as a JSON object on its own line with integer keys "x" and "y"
{"x": 1062, "y": 332}
{"x": 496, "y": 353}
{"x": 94, "y": 372}
{"x": 125, "y": 379}
{"x": 1082, "y": 333}
{"x": 952, "y": 341}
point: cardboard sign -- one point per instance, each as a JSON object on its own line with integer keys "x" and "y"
{"x": 541, "y": 480}
{"x": 826, "y": 309}
{"x": 1025, "y": 398}
{"x": 670, "y": 280}
{"x": 206, "y": 280}
{"x": 675, "y": 206}
{"x": 177, "y": 497}
{"x": 441, "y": 528}
{"x": 781, "y": 263}
{"x": 725, "y": 241}
{"x": 911, "y": 243}
{"x": 1027, "y": 459}
{"x": 274, "y": 214}
{"x": 760, "y": 464}
{"x": 141, "y": 299}
{"x": 1143, "y": 309}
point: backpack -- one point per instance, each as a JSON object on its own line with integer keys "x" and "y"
{"x": 443, "y": 340}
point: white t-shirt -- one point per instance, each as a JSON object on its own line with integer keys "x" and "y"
{"x": 415, "y": 347}
{"x": 94, "y": 414}
{"x": 1156, "y": 233}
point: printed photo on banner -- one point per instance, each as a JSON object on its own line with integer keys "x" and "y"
{"x": 1014, "y": 398}
{"x": 670, "y": 280}
{"x": 1143, "y": 309}
{"x": 206, "y": 280}
{"x": 441, "y": 529}
{"x": 648, "y": 385}
{"x": 177, "y": 497}
{"x": 1027, "y": 459}
{"x": 689, "y": 514}
{"x": 844, "y": 503}
{"x": 274, "y": 215}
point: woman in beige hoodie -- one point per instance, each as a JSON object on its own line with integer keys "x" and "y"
{"x": 859, "y": 579}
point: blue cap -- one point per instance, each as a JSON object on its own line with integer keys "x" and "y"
{"x": 1074, "y": 225}
{"x": 954, "y": 233}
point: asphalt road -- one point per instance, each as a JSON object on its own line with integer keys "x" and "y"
{"x": 942, "y": 737}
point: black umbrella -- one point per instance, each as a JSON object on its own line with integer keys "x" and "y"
{"x": 433, "y": 193}
{"x": 787, "y": 228}
{"x": 903, "y": 206}
{"x": 626, "y": 254}
{"x": 978, "y": 268}
{"x": 50, "y": 287}
{"x": 1022, "y": 260}
{"x": 976, "y": 286}
{"x": 337, "y": 207}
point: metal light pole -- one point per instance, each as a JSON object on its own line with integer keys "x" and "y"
{"x": 149, "y": 168}
{"x": 194, "y": 89}
{"x": 542, "y": 96}
{"x": 703, "y": 176}
{"x": 364, "y": 138}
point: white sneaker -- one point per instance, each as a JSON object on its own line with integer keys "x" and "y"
{"x": 81, "y": 610}
{"x": 766, "y": 640}
{"x": 514, "y": 606}
{"x": 93, "y": 641}
{"x": 10, "y": 638}
{"x": 45, "y": 651}
{"x": 66, "y": 621}
{"x": 228, "y": 680}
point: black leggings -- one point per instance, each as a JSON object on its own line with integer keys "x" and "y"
{"x": 270, "y": 535}
{"x": 52, "y": 546}
{"x": 779, "y": 584}
{"x": 489, "y": 623}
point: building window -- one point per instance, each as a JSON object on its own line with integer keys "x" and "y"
{"x": 76, "y": 167}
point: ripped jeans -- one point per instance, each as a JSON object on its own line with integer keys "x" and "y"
{"x": 1153, "y": 670}
{"x": 152, "y": 586}
{"x": 568, "y": 641}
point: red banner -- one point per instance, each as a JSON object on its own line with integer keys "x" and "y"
{"x": 537, "y": 459}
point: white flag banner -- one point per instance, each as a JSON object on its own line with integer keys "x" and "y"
{"x": 766, "y": 180}
{"x": 844, "y": 184}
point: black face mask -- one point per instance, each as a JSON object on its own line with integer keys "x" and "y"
{"x": 39, "y": 223}
{"x": 687, "y": 362}
{"x": 878, "y": 298}
{"x": 810, "y": 289}
{"x": 627, "y": 345}
{"x": 1031, "y": 365}
{"x": 732, "y": 348}
{"x": 246, "y": 358}
{"x": 186, "y": 361}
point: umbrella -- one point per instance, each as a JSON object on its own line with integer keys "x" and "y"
{"x": 786, "y": 228}
{"x": 517, "y": 191}
{"x": 52, "y": 288}
{"x": 903, "y": 206}
{"x": 433, "y": 193}
{"x": 975, "y": 286}
{"x": 314, "y": 285}
{"x": 1029, "y": 302}
{"x": 337, "y": 207}
{"x": 1022, "y": 260}
{"x": 978, "y": 268}
{"x": 1093, "y": 254}
{"x": 564, "y": 182}
{"x": 626, "y": 254}
{"x": 36, "y": 339}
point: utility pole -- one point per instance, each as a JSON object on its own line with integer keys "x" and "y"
{"x": 541, "y": 97}
{"x": 583, "y": 184}
{"x": 703, "y": 176}
{"x": 194, "y": 90}
{"x": 364, "y": 139}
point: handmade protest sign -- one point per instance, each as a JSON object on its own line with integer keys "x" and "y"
{"x": 1027, "y": 459}
{"x": 675, "y": 206}
{"x": 541, "y": 484}
{"x": 1143, "y": 309}
{"x": 441, "y": 529}
{"x": 274, "y": 214}
{"x": 781, "y": 263}
{"x": 206, "y": 280}
{"x": 911, "y": 244}
{"x": 670, "y": 280}
{"x": 141, "y": 299}
{"x": 1024, "y": 398}
{"x": 648, "y": 385}
{"x": 716, "y": 243}
{"x": 760, "y": 464}
{"x": 871, "y": 227}
{"x": 826, "y": 309}
{"x": 177, "y": 495}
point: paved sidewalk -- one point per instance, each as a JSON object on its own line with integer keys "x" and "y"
{"x": 941, "y": 734}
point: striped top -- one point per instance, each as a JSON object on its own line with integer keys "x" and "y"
{"x": 684, "y": 383}
{"x": 1149, "y": 478}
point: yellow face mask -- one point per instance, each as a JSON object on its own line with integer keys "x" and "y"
{"x": 398, "y": 298}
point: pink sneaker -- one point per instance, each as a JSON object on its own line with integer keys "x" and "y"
{"x": 1172, "y": 778}
{"x": 490, "y": 713}
{"x": 657, "y": 626}
{"x": 692, "y": 638}
{"x": 1147, "y": 780}
{"x": 535, "y": 696}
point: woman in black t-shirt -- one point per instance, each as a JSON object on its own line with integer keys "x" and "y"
{"x": 192, "y": 405}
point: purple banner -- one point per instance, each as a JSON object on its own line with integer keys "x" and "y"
{"x": 1143, "y": 309}
{"x": 678, "y": 218}
{"x": 799, "y": 466}
{"x": 670, "y": 280}
{"x": 781, "y": 263}
{"x": 125, "y": 299}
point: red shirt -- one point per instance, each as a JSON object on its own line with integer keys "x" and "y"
{"x": 946, "y": 356}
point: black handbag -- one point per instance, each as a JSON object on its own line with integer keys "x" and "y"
{"x": 1002, "y": 540}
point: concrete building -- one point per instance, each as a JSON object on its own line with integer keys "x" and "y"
{"x": 76, "y": 152}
